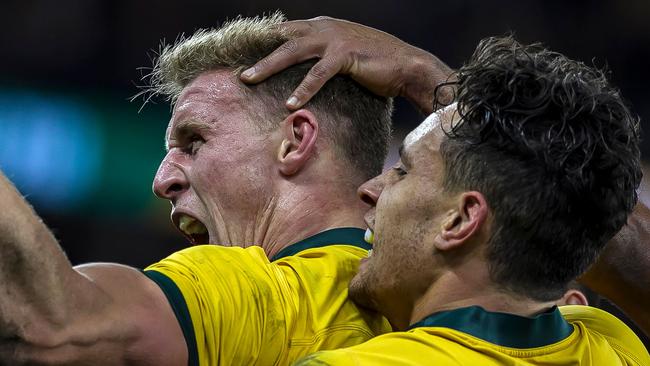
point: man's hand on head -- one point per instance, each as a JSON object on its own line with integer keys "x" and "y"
{"x": 377, "y": 60}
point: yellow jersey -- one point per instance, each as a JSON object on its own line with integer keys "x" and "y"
{"x": 473, "y": 336}
{"x": 237, "y": 307}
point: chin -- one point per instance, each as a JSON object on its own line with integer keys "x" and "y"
{"x": 361, "y": 293}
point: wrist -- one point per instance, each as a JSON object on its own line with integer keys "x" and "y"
{"x": 424, "y": 73}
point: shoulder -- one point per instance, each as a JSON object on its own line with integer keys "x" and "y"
{"x": 232, "y": 287}
{"x": 597, "y": 320}
{"x": 215, "y": 272}
{"x": 599, "y": 323}
{"x": 323, "y": 272}
{"x": 212, "y": 262}
{"x": 331, "y": 258}
{"x": 215, "y": 254}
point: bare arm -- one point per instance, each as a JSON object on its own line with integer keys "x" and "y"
{"x": 51, "y": 313}
{"x": 622, "y": 273}
{"x": 377, "y": 60}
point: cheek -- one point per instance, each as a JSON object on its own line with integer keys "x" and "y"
{"x": 230, "y": 181}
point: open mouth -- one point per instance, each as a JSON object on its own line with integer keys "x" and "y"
{"x": 192, "y": 228}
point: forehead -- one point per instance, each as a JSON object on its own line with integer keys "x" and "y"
{"x": 430, "y": 131}
{"x": 211, "y": 96}
{"x": 215, "y": 86}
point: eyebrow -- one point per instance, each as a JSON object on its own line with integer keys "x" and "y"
{"x": 183, "y": 129}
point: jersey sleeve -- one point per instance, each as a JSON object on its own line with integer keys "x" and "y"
{"x": 618, "y": 335}
{"x": 222, "y": 299}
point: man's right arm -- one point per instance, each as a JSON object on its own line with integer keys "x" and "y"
{"x": 52, "y": 314}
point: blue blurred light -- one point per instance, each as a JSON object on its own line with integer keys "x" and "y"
{"x": 50, "y": 147}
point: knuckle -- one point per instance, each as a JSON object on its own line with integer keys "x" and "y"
{"x": 320, "y": 70}
{"x": 290, "y": 46}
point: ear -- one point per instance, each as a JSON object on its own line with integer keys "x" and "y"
{"x": 299, "y": 131}
{"x": 573, "y": 297}
{"x": 463, "y": 221}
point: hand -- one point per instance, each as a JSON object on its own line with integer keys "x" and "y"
{"x": 377, "y": 60}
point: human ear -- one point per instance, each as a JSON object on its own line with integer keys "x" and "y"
{"x": 463, "y": 222}
{"x": 573, "y": 297}
{"x": 300, "y": 131}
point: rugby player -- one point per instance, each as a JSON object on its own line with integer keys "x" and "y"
{"x": 241, "y": 171}
{"x": 384, "y": 65}
{"x": 110, "y": 314}
{"x": 499, "y": 201}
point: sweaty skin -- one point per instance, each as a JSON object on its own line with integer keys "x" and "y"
{"x": 54, "y": 314}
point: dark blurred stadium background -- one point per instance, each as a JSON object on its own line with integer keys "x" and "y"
{"x": 83, "y": 155}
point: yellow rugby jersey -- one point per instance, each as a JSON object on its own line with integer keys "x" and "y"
{"x": 473, "y": 336}
{"x": 236, "y": 307}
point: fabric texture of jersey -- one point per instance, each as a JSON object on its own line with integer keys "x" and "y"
{"x": 571, "y": 335}
{"x": 236, "y": 307}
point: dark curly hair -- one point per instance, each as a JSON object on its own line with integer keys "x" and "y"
{"x": 554, "y": 150}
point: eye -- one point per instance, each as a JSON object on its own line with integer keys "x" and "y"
{"x": 194, "y": 142}
{"x": 399, "y": 170}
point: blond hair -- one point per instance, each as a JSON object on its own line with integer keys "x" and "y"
{"x": 237, "y": 44}
{"x": 355, "y": 120}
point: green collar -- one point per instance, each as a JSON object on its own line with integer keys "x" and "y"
{"x": 346, "y": 235}
{"x": 504, "y": 329}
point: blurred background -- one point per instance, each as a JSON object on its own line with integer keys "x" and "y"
{"x": 85, "y": 156}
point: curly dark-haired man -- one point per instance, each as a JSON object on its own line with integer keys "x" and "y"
{"x": 390, "y": 67}
{"x": 499, "y": 200}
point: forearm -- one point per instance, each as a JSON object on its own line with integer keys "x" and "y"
{"x": 622, "y": 273}
{"x": 51, "y": 313}
{"x": 33, "y": 269}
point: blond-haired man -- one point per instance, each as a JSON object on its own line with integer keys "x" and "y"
{"x": 240, "y": 171}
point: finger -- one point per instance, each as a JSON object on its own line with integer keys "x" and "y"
{"x": 317, "y": 76}
{"x": 297, "y": 28}
{"x": 292, "y": 52}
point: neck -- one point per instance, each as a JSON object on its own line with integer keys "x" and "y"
{"x": 459, "y": 289}
{"x": 304, "y": 212}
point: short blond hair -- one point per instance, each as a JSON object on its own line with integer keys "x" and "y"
{"x": 237, "y": 44}
{"x": 355, "y": 120}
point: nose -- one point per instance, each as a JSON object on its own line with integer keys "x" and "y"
{"x": 370, "y": 191}
{"x": 170, "y": 181}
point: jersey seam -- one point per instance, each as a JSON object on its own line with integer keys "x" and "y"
{"x": 327, "y": 331}
{"x": 624, "y": 350}
{"x": 520, "y": 352}
{"x": 181, "y": 312}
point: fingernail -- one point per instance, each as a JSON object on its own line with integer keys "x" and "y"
{"x": 248, "y": 73}
{"x": 292, "y": 102}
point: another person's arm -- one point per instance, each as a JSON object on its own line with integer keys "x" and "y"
{"x": 51, "y": 313}
{"x": 390, "y": 67}
{"x": 384, "y": 64}
{"x": 622, "y": 273}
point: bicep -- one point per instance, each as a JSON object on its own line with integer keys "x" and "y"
{"x": 136, "y": 319}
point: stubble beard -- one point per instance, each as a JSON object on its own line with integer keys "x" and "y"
{"x": 361, "y": 292}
